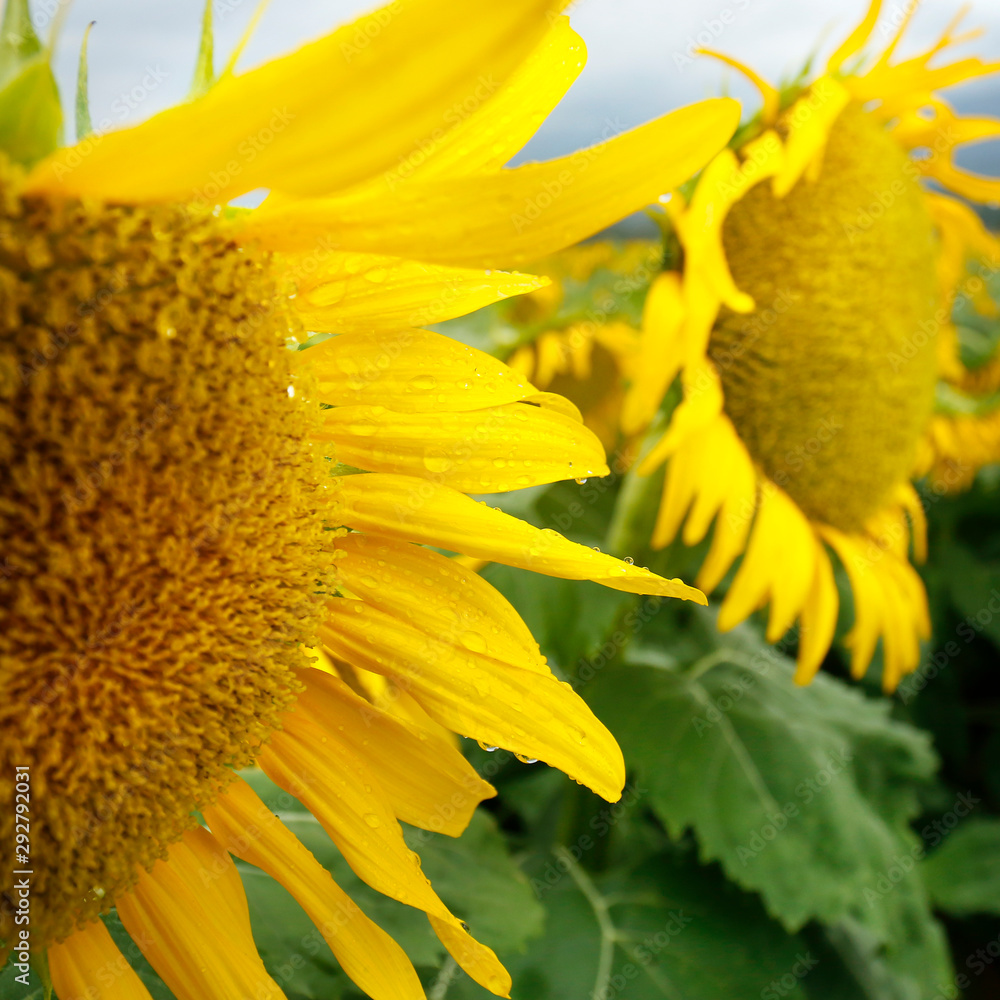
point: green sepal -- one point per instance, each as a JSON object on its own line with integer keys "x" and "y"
{"x": 83, "y": 125}
{"x": 204, "y": 67}
{"x": 18, "y": 42}
{"x": 31, "y": 113}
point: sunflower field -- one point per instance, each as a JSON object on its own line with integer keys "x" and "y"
{"x": 421, "y": 579}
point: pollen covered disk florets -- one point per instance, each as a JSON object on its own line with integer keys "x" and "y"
{"x": 161, "y": 535}
{"x": 830, "y": 382}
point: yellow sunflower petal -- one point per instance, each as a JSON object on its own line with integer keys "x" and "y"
{"x": 425, "y": 588}
{"x": 467, "y": 691}
{"x": 333, "y": 113}
{"x": 809, "y": 123}
{"x": 88, "y": 964}
{"x": 854, "y": 42}
{"x": 975, "y": 187}
{"x": 510, "y": 217}
{"x": 869, "y": 602}
{"x": 411, "y": 371}
{"x": 715, "y": 446}
{"x": 169, "y": 909}
{"x": 819, "y": 619}
{"x": 701, "y": 405}
{"x": 770, "y": 95}
{"x": 779, "y": 566}
{"x": 488, "y": 137}
{"x": 732, "y": 525}
{"x": 474, "y": 957}
{"x": 484, "y": 451}
{"x": 680, "y": 486}
{"x": 428, "y": 782}
{"x": 660, "y": 352}
{"x": 420, "y": 511}
{"x": 248, "y": 829}
{"x": 313, "y": 763}
{"x": 348, "y": 292}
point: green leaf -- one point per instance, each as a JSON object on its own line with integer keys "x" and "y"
{"x": 482, "y": 885}
{"x": 668, "y": 930}
{"x": 204, "y": 68}
{"x": 19, "y": 43}
{"x": 30, "y": 113}
{"x": 803, "y": 794}
{"x": 10, "y": 987}
{"x": 963, "y": 875}
{"x": 83, "y": 125}
{"x": 974, "y": 585}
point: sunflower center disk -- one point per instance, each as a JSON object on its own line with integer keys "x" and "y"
{"x": 158, "y": 530}
{"x": 830, "y": 381}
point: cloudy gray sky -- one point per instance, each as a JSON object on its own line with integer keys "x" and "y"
{"x": 142, "y": 53}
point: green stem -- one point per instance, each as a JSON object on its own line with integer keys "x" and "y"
{"x": 609, "y": 933}
{"x": 445, "y": 977}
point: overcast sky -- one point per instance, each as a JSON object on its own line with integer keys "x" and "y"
{"x": 142, "y": 53}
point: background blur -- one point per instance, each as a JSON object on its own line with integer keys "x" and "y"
{"x": 824, "y": 843}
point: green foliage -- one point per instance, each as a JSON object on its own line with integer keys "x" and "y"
{"x": 204, "y": 69}
{"x": 19, "y": 44}
{"x": 30, "y": 113}
{"x": 803, "y": 794}
{"x": 963, "y": 876}
{"x": 83, "y": 123}
{"x": 655, "y": 930}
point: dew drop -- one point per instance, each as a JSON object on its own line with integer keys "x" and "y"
{"x": 438, "y": 463}
{"x": 372, "y": 820}
{"x": 473, "y": 641}
{"x": 487, "y": 747}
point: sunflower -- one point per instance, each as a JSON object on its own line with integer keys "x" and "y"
{"x": 808, "y": 318}
{"x": 578, "y": 336}
{"x": 189, "y": 507}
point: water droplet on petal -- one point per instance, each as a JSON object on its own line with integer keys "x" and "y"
{"x": 473, "y": 641}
